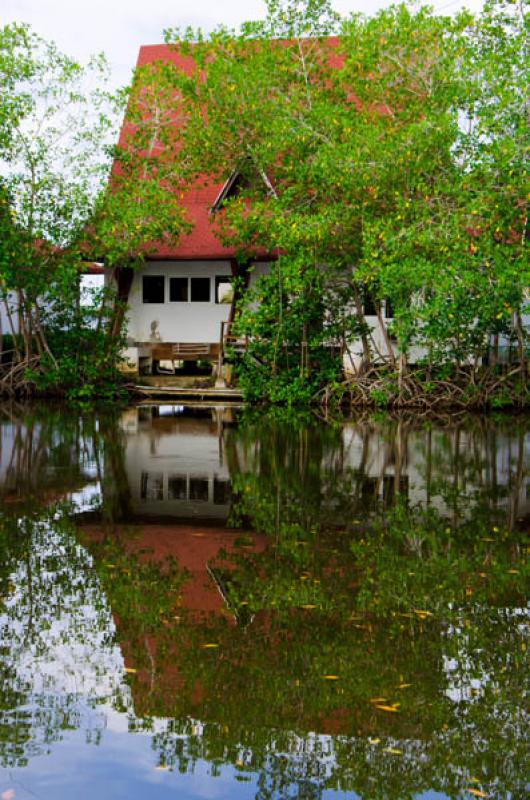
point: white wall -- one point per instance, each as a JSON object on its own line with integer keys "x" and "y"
{"x": 171, "y": 450}
{"x": 178, "y": 322}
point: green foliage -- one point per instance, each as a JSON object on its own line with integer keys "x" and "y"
{"x": 389, "y": 161}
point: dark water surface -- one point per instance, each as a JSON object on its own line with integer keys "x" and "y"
{"x": 199, "y": 605}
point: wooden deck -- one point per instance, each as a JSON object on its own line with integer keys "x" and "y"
{"x": 213, "y": 394}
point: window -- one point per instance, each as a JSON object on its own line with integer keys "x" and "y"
{"x": 221, "y": 492}
{"x": 224, "y": 291}
{"x": 368, "y": 305}
{"x": 199, "y": 489}
{"x": 178, "y": 290}
{"x": 152, "y": 486}
{"x": 177, "y": 487}
{"x": 153, "y": 289}
{"x": 200, "y": 290}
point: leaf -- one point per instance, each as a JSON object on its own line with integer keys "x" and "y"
{"x": 476, "y": 792}
{"x": 308, "y": 605}
{"x": 209, "y": 645}
{"x": 330, "y": 677}
{"x": 391, "y": 709}
{"x": 404, "y": 685}
{"x": 130, "y": 670}
{"x": 374, "y": 741}
{"x": 393, "y": 750}
{"x": 378, "y": 699}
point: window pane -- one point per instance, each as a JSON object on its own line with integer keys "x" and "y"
{"x": 178, "y": 290}
{"x": 177, "y": 487}
{"x": 224, "y": 291}
{"x": 200, "y": 290}
{"x": 221, "y": 492}
{"x": 152, "y": 486}
{"x": 199, "y": 489}
{"x": 369, "y": 305}
{"x": 153, "y": 289}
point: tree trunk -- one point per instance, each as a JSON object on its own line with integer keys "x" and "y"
{"x": 386, "y": 337}
{"x": 123, "y": 277}
{"x": 367, "y": 354}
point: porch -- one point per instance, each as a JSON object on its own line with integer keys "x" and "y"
{"x": 175, "y": 355}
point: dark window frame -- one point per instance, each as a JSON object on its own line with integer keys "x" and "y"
{"x": 182, "y": 279}
{"x": 205, "y": 281}
{"x": 145, "y": 279}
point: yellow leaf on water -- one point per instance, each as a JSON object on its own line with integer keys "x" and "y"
{"x": 308, "y": 605}
{"x": 330, "y": 677}
{"x": 476, "y": 792}
{"x": 422, "y": 612}
{"x": 378, "y": 699}
{"x": 130, "y": 670}
{"x": 393, "y": 750}
{"x": 374, "y": 741}
{"x": 404, "y": 685}
{"x": 392, "y": 709}
{"x": 209, "y": 645}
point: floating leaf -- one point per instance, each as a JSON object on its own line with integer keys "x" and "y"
{"x": 378, "y": 699}
{"x": 393, "y": 750}
{"x": 308, "y": 605}
{"x": 404, "y": 685}
{"x": 210, "y": 645}
{"x": 476, "y": 792}
{"x": 392, "y": 709}
{"x": 330, "y": 677}
{"x": 374, "y": 741}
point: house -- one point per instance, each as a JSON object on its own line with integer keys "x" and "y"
{"x": 180, "y": 302}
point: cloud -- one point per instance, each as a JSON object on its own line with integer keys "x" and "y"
{"x": 119, "y": 27}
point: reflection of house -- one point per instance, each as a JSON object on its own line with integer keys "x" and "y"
{"x": 175, "y": 463}
{"x": 177, "y": 466}
{"x": 428, "y": 466}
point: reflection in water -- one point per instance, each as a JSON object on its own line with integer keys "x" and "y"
{"x": 262, "y": 609}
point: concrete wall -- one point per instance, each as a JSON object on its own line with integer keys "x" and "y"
{"x": 178, "y": 322}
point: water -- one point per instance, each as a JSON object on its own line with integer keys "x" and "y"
{"x": 196, "y": 603}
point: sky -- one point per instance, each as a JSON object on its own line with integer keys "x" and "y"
{"x": 119, "y": 27}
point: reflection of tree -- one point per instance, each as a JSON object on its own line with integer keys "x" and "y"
{"x": 45, "y": 452}
{"x": 361, "y": 594}
{"x": 315, "y": 477}
{"x": 59, "y": 660}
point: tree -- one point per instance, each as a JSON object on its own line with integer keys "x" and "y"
{"x": 59, "y": 209}
{"x": 356, "y": 170}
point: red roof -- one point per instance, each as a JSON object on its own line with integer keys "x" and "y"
{"x": 201, "y": 243}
